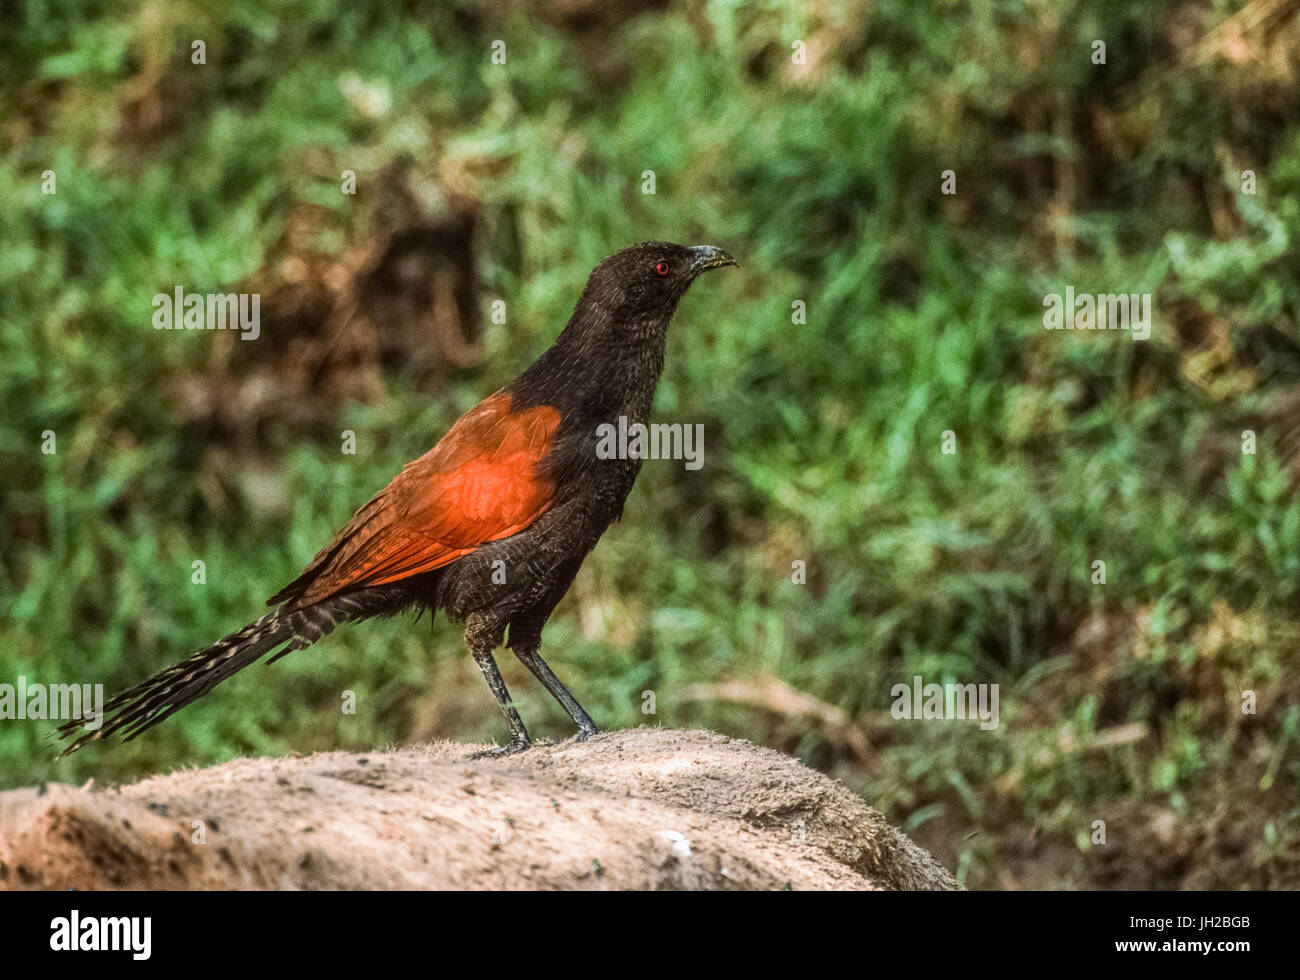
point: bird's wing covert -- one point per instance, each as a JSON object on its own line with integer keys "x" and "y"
{"x": 480, "y": 483}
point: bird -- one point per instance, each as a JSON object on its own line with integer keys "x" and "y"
{"x": 489, "y": 526}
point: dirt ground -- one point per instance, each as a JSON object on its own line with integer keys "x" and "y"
{"x": 643, "y": 809}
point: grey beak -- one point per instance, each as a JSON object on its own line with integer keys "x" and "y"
{"x": 706, "y": 257}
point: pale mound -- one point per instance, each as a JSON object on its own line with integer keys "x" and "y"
{"x": 643, "y": 809}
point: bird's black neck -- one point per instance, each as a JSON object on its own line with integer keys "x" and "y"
{"x": 598, "y": 371}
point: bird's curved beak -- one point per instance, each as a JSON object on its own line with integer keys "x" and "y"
{"x": 706, "y": 257}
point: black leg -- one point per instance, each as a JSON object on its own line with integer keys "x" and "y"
{"x": 531, "y": 659}
{"x": 518, "y": 733}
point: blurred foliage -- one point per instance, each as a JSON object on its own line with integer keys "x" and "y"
{"x": 924, "y": 314}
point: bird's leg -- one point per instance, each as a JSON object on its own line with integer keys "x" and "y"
{"x": 530, "y": 658}
{"x": 518, "y": 733}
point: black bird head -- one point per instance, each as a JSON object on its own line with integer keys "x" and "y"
{"x": 642, "y": 284}
{"x": 611, "y": 352}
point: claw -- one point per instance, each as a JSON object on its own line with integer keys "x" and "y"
{"x": 581, "y": 735}
{"x": 518, "y": 745}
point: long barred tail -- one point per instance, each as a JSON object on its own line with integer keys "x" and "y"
{"x": 139, "y": 708}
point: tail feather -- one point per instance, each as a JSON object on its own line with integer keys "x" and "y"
{"x": 156, "y": 699}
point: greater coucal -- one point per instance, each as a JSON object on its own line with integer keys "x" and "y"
{"x": 491, "y": 524}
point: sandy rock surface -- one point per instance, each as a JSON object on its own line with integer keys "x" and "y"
{"x": 642, "y": 809}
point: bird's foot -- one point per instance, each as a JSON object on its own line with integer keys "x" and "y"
{"x": 515, "y": 747}
{"x": 581, "y": 735}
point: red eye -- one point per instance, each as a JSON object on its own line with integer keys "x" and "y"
{"x": 661, "y": 268}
